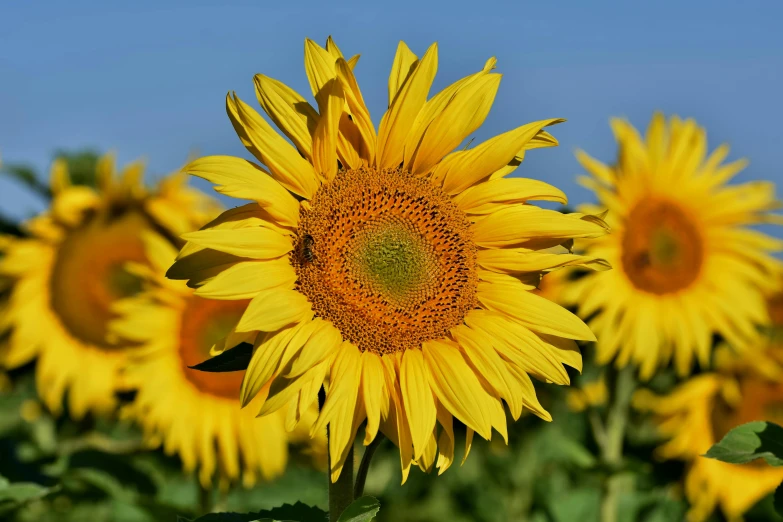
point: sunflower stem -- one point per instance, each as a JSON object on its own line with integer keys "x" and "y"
{"x": 611, "y": 440}
{"x": 340, "y": 491}
{"x": 364, "y": 466}
{"x": 205, "y": 498}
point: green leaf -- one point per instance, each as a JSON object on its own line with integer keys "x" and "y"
{"x": 751, "y": 441}
{"x": 286, "y": 513}
{"x": 20, "y": 493}
{"x": 362, "y": 509}
{"x": 778, "y": 499}
{"x": 232, "y": 360}
{"x": 27, "y": 176}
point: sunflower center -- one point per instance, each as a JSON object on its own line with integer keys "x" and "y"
{"x": 89, "y": 274}
{"x": 387, "y": 258}
{"x": 662, "y": 249}
{"x": 204, "y": 322}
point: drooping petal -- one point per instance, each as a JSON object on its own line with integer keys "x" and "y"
{"x": 418, "y": 400}
{"x": 456, "y": 386}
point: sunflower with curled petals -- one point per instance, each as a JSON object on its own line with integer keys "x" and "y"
{"x": 698, "y": 413}
{"x": 193, "y": 414}
{"x": 686, "y": 263}
{"x": 66, "y": 274}
{"x": 385, "y": 266}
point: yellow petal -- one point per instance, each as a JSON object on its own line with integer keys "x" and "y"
{"x": 319, "y": 66}
{"x": 242, "y": 179}
{"x": 69, "y": 206}
{"x": 398, "y": 120}
{"x": 104, "y": 172}
{"x": 462, "y": 169}
{"x": 404, "y": 63}
{"x": 245, "y": 280}
{"x": 273, "y": 309}
{"x": 373, "y": 387}
{"x": 289, "y": 111}
{"x": 359, "y": 112}
{"x": 330, "y": 106}
{"x": 517, "y": 260}
{"x": 479, "y": 199}
{"x": 491, "y": 366}
{"x": 254, "y": 243}
{"x": 456, "y": 386}
{"x": 540, "y": 140}
{"x": 284, "y": 162}
{"x": 267, "y": 352}
{"x": 446, "y": 440}
{"x": 418, "y": 400}
{"x": 435, "y": 106}
{"x": 536, "y": 312}
{"x": 321, "y": 344}
{"x": 59, "y": 179}
{"x": 518, "y": 223}
{"x": 464, "y": 112}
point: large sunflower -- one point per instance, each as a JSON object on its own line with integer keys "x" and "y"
{"x": 686, "y": 265}
{"x": 387, "y": 268}
{"x": 193, "y": 414}
{"x": 699, "y": 412}
{"x": 70, "y": 269}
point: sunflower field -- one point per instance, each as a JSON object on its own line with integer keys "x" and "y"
{"x": 388, "y": 317}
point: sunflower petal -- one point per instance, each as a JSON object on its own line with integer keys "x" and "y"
{"x": 273, "y": 309}
{"x": 254, "y": 243}
{"x": 484, "y": 197}
{"x": 404, "y": 64}
{"x": 518, "y": 223}
{"x": 245, "y": 280}
{"x": 418, "y": 400}
{"x": 289, "y": 111}
{"x": 398, "y": 120}
{"x": 456, "y": 386}
{"x": 242, "y": 179}
{"x": 284, "y": 162}
{"x": 463, "y": 169}
{"x": 330, "y": 105}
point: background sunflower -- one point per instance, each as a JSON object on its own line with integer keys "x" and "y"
{"x": 66, "y": 274}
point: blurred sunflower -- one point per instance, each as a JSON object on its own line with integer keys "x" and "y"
{"x": 686, "y": 265}
{"x": 193, "y": 414}
{"x": 391, "y": 270}
{"x": 699, "y": 412}
{"x": 66, "y": 274}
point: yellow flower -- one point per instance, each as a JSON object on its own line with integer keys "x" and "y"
{"x": 66, "y": 274}
{"x": 697, "y": 414}
{"x": 387, "y": 268}
{"x": 686, "y": 265}
{"x": 194, "y": 414}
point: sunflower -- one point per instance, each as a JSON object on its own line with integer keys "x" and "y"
{"x": 386, "y": 268}
{"x": 686, "y": 264}
{"x": 699, "y": 412}
{"x": 193, "y": 414}
{"x": 66, "y": 274}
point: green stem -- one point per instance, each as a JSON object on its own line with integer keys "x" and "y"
{"x": 341, "y": 491}
{"x": 611, "y": 441}
{"x": 204, "y": 499}
{"x": 364, "y": 466}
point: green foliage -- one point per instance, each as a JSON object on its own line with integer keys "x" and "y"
{"x": 751, "y": 441}
{"x": 81, "y": 165}
{"x": 232, "y": 360}
{"x": 362, "y": 509}
{"x": 27, "y": 176}
{"x": 298, "y": 512}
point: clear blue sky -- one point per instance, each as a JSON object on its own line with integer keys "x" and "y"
{"x": 148, "y": 78}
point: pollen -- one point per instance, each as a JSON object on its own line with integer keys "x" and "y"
{"x": 390, "y": 259}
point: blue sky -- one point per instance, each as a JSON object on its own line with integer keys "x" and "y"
{"x": 148, "y": 78}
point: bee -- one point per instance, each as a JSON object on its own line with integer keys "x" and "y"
{"x": 307, "y": 248}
